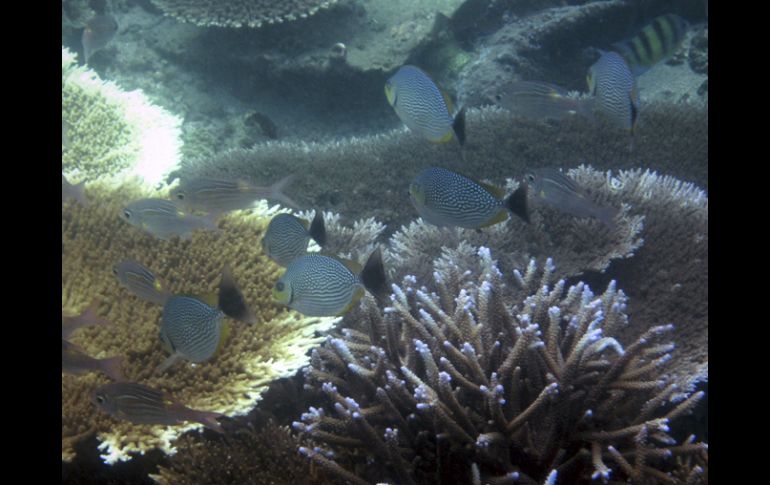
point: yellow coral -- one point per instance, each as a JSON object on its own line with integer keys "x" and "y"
{"x": 93, "y": 239}
{"x": 113, "y": 132}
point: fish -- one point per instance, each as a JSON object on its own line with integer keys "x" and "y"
{"x": 446, "y": 198}
{"x": 163, "y": 219}
{"x": 613, "y": 86}
{"x": 231, "y": 300}
{"x": 287, "y": 237}
{"x": 99, "y": 31}
{"x": 540, "y": 100}
{"x": 265, "y": 124}
{"x": 217, "y": 195}
{"x": 555, "y": 189}
{"x": 88, "y": 318}
{"x": 140, "y": 404}
{"x": 75, "y": 361}
{"x": 191, "y": 329}
{"x": 423, "y": 106}
{"x": 76, "y": 192}
{"x": 317, "y": 285}
{"x": 140, "y": 281}
{"x": 654, "y": 43}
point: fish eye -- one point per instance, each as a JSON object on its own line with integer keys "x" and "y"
{"x": 99, "y": 399}
{"x": 127, "y": 214}
{"x": 530, "y": 177}
{"x": 115, "y": 270}
{"x": 180, "y": 195}
{"x": 280, "y": 286}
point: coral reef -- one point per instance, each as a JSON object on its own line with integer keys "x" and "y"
{"x": 240, "y": 13}
{"x": 672, "y": 139}
{"x": 265, "y": 455}
{"x": 93, "y": 239}
{"x": 472, "y": 379}
{"x": 112, "y": 132}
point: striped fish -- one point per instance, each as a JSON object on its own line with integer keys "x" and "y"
{"x": 446, "y": 198}
{"x": 317, "y": 285}
{"x": 140, "y": 281}
{"x": 287, "y": 237}
{"x": 75, "y": 361}
{"x": 614, "y": 89}
{"x": 190, "y": 329}
{"x": 657, "y": 41}
{"x": 217, "y": 195}
{"x": 88, "y": 318}
{"x": 539, "y": 100}
{"x": 423, "y": 107}
{"x": 140, "y": 404}
{"x": 555, "y": 189}
{"x": 163, "y": 219}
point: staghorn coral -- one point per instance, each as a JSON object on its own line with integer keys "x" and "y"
{"x": 356, "y": 242}
{"x": 479, "y": 380}
{"x": 93, "y": 239}
{"x": 113, "y": 132}
{"x": 240, "y": 13}
{"x": 265, "y": 455}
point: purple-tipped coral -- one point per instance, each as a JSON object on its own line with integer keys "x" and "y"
{"x": 476, "y": 381}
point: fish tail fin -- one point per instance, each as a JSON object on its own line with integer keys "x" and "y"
{"x": 111, "y": 367}
{"x": 517, "y": 203}
{"x": 318, "y": 228}
{"x": 373, "y": 275}
{"x": 458, "y": 126}
{"x": 277, "y": 191}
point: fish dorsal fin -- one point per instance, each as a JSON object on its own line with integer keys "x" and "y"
{"x": 305, "y": 223}
{"x": 447, "y": 98}
{"x": 498, "y": 192}
{"x": 354, "y": 266}
{"x": 353, "y": 301}
{"x": 210, "y": 298}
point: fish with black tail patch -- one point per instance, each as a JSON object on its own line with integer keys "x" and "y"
{"x": 424, "y": 107}
{"x": 446, "y": 198}
{"x": 231, "y": 300}
{"x": 613, "y": 86}
{"x": 317, "y": 285}
{"x": 287, "y": 237}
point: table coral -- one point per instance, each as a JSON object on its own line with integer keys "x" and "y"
{"x": 94, "y": 238}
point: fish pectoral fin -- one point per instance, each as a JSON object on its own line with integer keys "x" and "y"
{"x": 167, "y": 363}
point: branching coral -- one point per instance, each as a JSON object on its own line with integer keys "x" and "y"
{"x": 93, "y": 239}
{"x": 240, "y": 13}
{"x": 113, "y": 132}
{"x": 517, "y": 382}
{"x": 265, "y": 455}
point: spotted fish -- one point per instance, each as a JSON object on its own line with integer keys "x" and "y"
{"x": 141, "y": 404}
{"x": 287, "y": 237}
{"x": 614, "y": 89}
{"x": 317, "y": 285}
{"x": 446, "y": 198}
{"x": 423, "y": 107}
{"x": 191, "y": 330}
